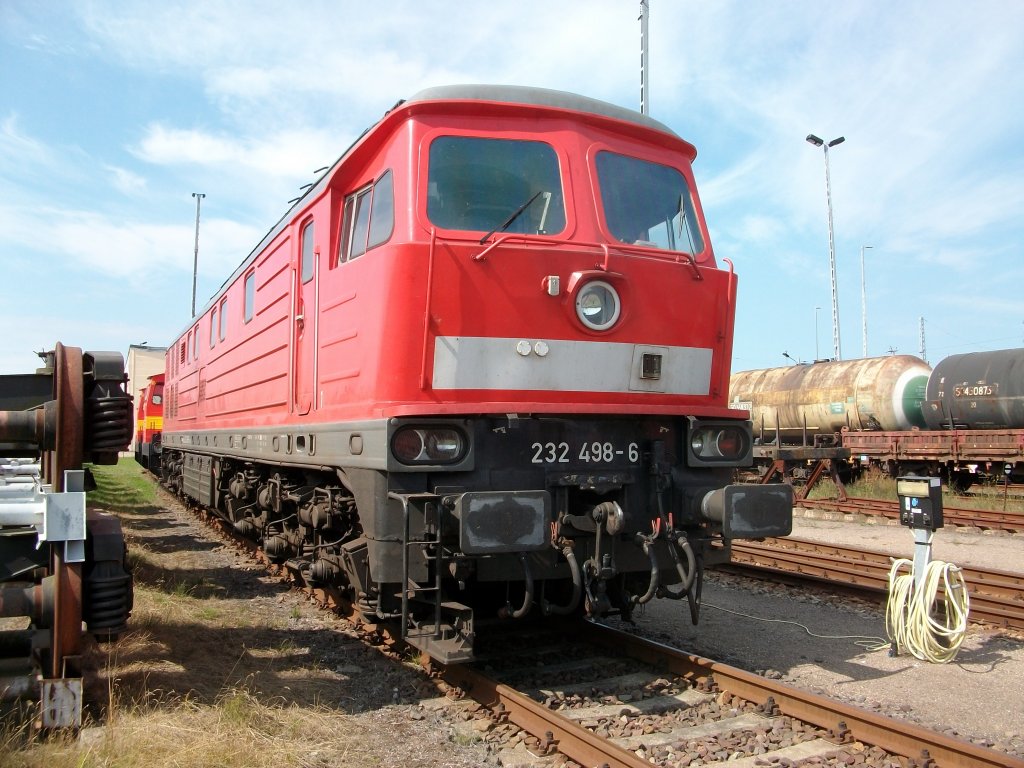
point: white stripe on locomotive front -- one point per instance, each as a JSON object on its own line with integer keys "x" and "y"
{"x": 478, "y": 362}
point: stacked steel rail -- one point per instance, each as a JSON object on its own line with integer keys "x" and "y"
{"x": 59, "y": 565}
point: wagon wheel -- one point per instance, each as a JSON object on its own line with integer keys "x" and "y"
{"x": 67, "y": 454}
{"x": 69, "y": 394}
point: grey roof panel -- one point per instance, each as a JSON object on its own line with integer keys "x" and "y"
{"x": 544, "y": 97}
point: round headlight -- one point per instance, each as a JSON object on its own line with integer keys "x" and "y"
{"x": 428, "y": 445}
{"x": 730, "y": 443}
{"x": 443, "y": 445}
{"x": 712, "y": 443}
{"x": 597, "y": 305}
{"x": 407, "y": 445}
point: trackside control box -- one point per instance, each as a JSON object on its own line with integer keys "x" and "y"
{"x": 920, "y": 502}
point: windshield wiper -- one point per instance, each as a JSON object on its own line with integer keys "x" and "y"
{"x": 508, "y": 222}
{"x": 684, "y": 225}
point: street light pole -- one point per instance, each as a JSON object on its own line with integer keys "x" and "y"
{"x": 836, "y": 343}
{"x": 195, "y": 259}
{"x": 864, "y": 300}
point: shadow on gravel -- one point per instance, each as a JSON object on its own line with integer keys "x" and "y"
{"x": 201, "y": 583}
{"x": 201, "y": 662}
{"x": 992, "y": 652}
{"x": 146, "y": 520}
{"x": 185, "y": 542}
{"x": 208, "y": 623}
{"x": 318, "y": 667}
{"x": 779, "y": 632}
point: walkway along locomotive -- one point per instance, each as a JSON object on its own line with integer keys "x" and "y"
{"x": 479, "y": 370}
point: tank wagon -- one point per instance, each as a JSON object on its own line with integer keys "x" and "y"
{"x": 874, "y": 393}
{"x": 477, "y": 372}
{"x": 963, "y": 421}
{"x": 977, "y": 390}
{"x": 149, "y": 423}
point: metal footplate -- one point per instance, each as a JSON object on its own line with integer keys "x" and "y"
{"x": 449, "y": 640}
{"x": 443, "y": 629}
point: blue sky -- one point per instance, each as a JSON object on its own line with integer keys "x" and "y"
{"x": 112, "y": 114}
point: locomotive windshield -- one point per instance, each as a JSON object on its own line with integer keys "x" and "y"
{"x": 648, "y": 204}
{"x": 488, "y": 185}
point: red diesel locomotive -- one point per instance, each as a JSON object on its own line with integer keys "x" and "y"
{"x": 478, "y": 371}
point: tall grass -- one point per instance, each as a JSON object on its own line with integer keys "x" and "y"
{"x": 200, "y": 679}
{"x": 122, "y": 487}
{"x": 238, "y": 731}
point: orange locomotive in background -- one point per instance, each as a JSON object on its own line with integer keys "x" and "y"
{"x": 149, "y": 423}
{"x": 479, "y": 369}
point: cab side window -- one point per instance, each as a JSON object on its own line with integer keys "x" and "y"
{"x": 368, "y": 219}
{"x": 250, "y": 295}
{"x": 307, "y": 255}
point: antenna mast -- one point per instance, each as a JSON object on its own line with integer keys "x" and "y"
{"x": 645, "y": 69}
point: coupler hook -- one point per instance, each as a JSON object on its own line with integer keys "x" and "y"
{"x": 524, "y": 609}
{"x": 677, "y": 540}
{"x": 577, "y": 587}
{"x": 647, "y": 544}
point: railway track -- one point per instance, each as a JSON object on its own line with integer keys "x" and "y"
{"x": 986, "y": 519}
{"x": 582, "y": 694}
{"x": 603, "y": 697}
{"x": 997, "y": 597}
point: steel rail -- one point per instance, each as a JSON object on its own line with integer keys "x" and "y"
{"x": 843, "y": 722}
{"x": 570, "y": 738}
{"x": 997, "y": 597}
{"x": 894, "y": 736}
{"x": 974, "y": 518}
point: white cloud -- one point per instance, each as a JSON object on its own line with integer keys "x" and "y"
{"x": 19, "y": 151}
{"x": 92, "y": 243}
{"x": 282, "y": 154}
{"x": 126, "y": 181}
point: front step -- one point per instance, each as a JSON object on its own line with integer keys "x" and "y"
{"x": 450, "y": 640}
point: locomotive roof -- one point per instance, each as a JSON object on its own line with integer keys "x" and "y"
{"x": 540, "y": 97}
{"x": 507, "y": 94}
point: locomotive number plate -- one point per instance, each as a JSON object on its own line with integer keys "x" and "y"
{"x": 587, "y": 453}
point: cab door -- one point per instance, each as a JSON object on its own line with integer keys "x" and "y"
{"x": 305, "y": 319}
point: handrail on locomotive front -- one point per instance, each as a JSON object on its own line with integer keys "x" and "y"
{"x": 639, "y": 251}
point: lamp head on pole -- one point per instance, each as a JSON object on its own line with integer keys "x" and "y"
{"x": 812, "y": 139}
{"x": 840, "y": 140}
